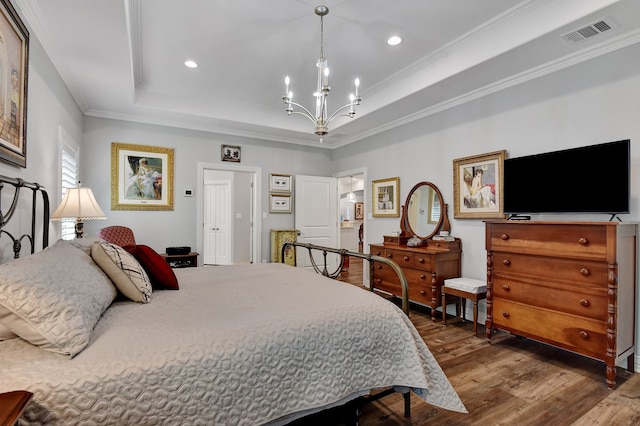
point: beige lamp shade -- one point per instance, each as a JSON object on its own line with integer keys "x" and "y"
{"x": 78, "y": 203}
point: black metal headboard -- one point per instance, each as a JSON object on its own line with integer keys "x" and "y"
{"x": 7, "y": 215}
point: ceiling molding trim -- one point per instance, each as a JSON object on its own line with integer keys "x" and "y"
{"x": 32, "y": 14}
{"x": 134, "y": 35}
{"x": 523, "y": 77}
{"x": 183, "y": 124}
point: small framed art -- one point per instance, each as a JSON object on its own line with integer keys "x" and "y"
{"x": 280, "y": 183}
{"x": 386, "y": 197}
{"x": 279, "y": 203}
{"x": 230, "y": 153}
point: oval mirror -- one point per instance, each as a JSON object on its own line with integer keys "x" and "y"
{"x": 423, "y": 211}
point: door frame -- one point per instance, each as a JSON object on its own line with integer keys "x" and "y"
{"x": 256, "y": 250}
{"x": 367, "y": 202}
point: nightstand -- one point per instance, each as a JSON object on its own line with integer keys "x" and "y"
{"x": 12, "y": 404}
{"x": 181, "y": 260}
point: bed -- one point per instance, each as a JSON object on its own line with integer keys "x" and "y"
{"x": 237, "y": 345}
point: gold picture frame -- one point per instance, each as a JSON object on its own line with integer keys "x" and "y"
{"x": 477, "y": 186}
{"x": 141, "y": 177}
{"x": 385, "y": 200}
{"x": 13, "y": 71}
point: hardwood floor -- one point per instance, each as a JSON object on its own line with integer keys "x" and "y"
{"x": 512, "y": 381}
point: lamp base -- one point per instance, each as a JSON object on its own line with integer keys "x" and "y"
{"x": 79, "y": 229}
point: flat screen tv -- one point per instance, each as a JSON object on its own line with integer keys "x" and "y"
{"x": 589, "y": 179}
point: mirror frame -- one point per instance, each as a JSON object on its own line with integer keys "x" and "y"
{"x": 405, "y": 227}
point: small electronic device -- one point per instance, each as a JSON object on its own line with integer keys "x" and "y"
{"x": 173, "y": 251}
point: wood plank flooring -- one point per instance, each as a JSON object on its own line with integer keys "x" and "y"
{"x": 512, "y": 381}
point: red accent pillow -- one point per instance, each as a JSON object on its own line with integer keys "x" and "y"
{"x": 158, "y": 270}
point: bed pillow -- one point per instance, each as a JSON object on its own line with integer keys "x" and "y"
{"x": 158, "y": 270}
{"x": 124, "y": 270}
{"x": 54, "y": 298}
{"x": 85, "y": 243}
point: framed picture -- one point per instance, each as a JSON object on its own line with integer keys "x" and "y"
{"x": 279, "y": 203}
{"x": 230, "y": 153}
{"x": 141, "y": 177}
{"x": 359, "y": 211}
{"x": 13, "y": 79}
{"x": 386, "y": 197}
{"x": 477, "y": 186}
{"x": 280, "y": 183}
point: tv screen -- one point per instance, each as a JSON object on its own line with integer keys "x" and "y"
{"x": 589, "y": 179}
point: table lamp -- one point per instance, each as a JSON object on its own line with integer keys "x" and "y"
{"x": 79, "y": 204}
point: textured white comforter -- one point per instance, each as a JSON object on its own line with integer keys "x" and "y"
{"x": 234, "y": 346}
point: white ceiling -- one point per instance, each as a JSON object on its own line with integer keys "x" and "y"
{"x": 123, "y": 59}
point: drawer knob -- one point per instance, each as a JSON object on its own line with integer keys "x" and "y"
{"x": 583, "y": 241}
{"x": 406, "y": 258}
{"x": 423, "y": 276}
{"x": 389, "y": 255}
{"x": 505, "y": 314}
{"x": 420, "y": 260}
{"x": 584, "y": 334}
{"x": 506, "y": 287}
{"x": 506, "y": 262}
{"x": 378, "y": 266}
{"x": 504, "y": 237}
{"x": 378, "y": 280}
{"x": 585, "y": 272}
{"x": 422, "y": 292}
{"x": 378, "y": 253}
{"x": 584, "y": 302}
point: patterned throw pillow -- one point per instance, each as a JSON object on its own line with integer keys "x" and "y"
{"x": 54, "y": 298}
{"x": 161, "y": 275}
{"x": 124, "y": 270}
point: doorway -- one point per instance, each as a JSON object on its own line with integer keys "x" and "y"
{"x": 243, "y": 214}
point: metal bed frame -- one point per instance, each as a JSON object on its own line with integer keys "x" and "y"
{"x": 7, "y": 215}
{"x": 359, "y": 402}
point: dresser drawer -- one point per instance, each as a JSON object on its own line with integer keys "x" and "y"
{"x": 578, "y": 271}
{"x": 582, "y": 301}
{"x": 579, "y": 334}
{"x": 403, "y": 258}
{"x": 418, "y": 292}
{"x": 565, "y": 240}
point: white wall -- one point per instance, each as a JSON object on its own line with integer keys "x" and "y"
{"x": 160, "y": 229}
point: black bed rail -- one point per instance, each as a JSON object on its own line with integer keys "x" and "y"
{"x": 343, "y": 253}
{"x": 7, "y": 215}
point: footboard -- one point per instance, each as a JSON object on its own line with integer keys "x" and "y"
{"x": 343, "y": 253}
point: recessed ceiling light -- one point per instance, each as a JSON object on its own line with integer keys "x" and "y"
{"x": 191, "y": 64}
{"x": 394, "y": 40}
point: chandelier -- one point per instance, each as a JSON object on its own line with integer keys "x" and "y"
{"x": 321, "y": 119}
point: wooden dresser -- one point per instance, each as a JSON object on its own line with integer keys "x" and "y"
{"x": 425, "y": 267}
{"x": 568, "y": 284}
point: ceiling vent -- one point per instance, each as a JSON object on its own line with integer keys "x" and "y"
{"x": 591, "y": 30}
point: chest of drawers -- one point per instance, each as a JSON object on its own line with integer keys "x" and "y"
{"x": 568, "y": 284}
{"x": 425, "y": 268}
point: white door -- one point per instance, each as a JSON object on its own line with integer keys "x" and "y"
{"x": 316, "y": 217}
{"x": 217, "y": 223}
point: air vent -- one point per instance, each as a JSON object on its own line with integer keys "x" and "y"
{"x": 589, "y": 31}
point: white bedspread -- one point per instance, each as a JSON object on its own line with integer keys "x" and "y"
{"x": 239, "y": 345}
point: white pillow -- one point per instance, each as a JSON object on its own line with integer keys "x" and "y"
{"x": 54, "y": 298}
{"x": 124, "y": 270}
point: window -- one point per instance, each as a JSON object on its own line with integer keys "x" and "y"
{"x": 69, "y": 154}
